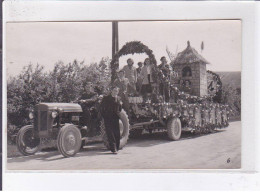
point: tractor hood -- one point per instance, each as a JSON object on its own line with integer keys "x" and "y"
{"x": 65, "y": 107}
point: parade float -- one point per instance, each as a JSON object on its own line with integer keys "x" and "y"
{"x": 195, "y": 106}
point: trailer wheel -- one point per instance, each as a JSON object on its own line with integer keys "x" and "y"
{"x": 124, "y": 130}
{"x": 174, "y": 128}
{"x": 69, "y": 140}
{"x": 26, "y": 143}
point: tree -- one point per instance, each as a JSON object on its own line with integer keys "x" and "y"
{"x": 232, "y": 96}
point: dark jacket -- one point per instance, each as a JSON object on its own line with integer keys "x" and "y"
{"x": 110, "y": 107}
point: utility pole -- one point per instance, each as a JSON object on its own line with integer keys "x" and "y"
{"x": 114, "y": 37}
{"x": 114, "y": 48}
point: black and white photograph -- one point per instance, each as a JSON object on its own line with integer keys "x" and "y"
{"x": 121, "y": 95}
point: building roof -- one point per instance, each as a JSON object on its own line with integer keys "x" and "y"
{"x": 188, "y": 56}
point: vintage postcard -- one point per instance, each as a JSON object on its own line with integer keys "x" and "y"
{"x": 123, "y": 95}
{"x": 150, "y": 95}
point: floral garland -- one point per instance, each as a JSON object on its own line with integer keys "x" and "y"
{"x": 186, "y": 108}
{"x": 187, "y": 113}
{"x": 189, "y": 98}
{"x": 189, "y": 103}
{"x": 130, "y": 48}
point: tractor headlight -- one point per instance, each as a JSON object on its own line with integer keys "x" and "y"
{"x": 30, "y": 115}
{"x": 54, "y": 114}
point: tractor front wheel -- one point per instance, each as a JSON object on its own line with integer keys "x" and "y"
{"x": 69, "y": 140}
{"x": 26, "y": 142}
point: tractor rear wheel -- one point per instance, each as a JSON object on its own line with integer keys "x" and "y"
{"x": 69, "y": 140}
{"x": 174, "y": 128}
{"x": 26, "y": 142}
{"x": 124, "y": 130}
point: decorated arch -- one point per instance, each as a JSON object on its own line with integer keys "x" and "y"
{"x": 133, "y": 47}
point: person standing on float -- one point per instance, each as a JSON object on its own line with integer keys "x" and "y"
{"x": 139, "y": 79}
{"x": 166, "y": 72}
{"x": 131, "y": 75}
{"x": 148, "y": 78}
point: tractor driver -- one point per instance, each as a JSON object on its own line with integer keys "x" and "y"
{"x": 87, "y": 100}
{"x": 88, "y": 93}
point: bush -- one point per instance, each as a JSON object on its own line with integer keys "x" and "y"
{"x": 232, "y": 97}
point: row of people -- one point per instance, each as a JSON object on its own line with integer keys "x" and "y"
{"x": 143, "y": 80}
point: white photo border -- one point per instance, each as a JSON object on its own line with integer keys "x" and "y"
{"x": 40, "y": 11}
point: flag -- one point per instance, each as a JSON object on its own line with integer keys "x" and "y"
{"x": 202, "y": 46}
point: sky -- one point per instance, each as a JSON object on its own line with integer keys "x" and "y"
{"x": 46, "y": 43}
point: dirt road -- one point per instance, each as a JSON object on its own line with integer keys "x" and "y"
{"x": 151, "y": 151}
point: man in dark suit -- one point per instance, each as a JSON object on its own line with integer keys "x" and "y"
{"x": 110, "y": 107}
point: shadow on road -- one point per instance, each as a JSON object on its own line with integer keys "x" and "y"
{"x": 95, "y": 149}
{"x": 153, "y": 139}
{"x": 54, "y": 155}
